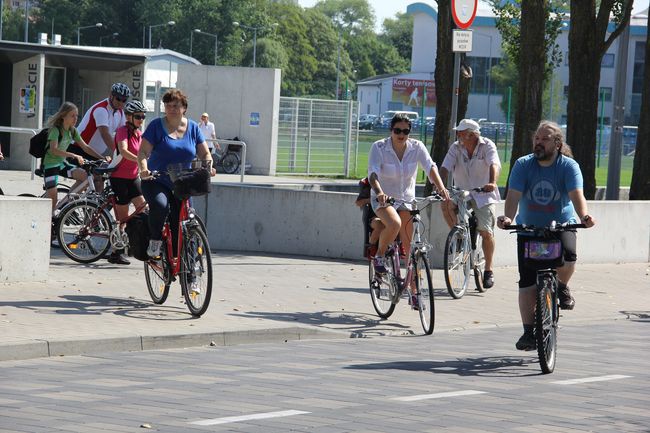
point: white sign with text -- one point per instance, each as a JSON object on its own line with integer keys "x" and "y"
{"x": 461, "y": 41}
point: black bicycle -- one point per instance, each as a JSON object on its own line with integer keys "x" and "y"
{"x": 229, "y": 159}
{"x": 543, "y": 252}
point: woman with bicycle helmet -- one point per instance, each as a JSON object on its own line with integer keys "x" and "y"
{"x": 170, "y": 139}
{"x": 124, "y": 180}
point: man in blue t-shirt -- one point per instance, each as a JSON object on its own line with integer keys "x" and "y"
{"x": 546, "y": 186}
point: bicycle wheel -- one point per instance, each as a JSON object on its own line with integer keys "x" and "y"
{"x": 456, "y": 263}
{"x": 424, "y": 286}
{"x": 383, "y": 290}
{"x": 196, "y": 270}
{"x": 83, "y": 230}
{"x": 545, "y": 323}
{"x": 478, "y": 264}
{"x": 158, "y": 276}
{"x": 230, "y": 163}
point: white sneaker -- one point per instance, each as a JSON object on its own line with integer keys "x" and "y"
{"x": 154, "y": 248}
{"x": 195, "y": 288}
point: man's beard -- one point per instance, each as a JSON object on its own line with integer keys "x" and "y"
{"x": 542, "y": 155}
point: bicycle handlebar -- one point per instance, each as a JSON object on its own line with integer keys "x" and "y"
{"x": 553, "y": 227}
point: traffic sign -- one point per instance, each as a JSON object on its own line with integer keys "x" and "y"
{"x": 463, "y": 12}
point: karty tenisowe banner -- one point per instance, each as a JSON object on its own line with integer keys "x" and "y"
{"x": 410, "y": 91}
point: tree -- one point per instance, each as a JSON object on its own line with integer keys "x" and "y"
{"x": 354, "y": 16}
{"x": 640, "y": 187}
{"x": 324, "y": 38}
{"x": 587, "y": 45}
{"x": 444, "y": 86}
{"x": 398, "y": 32}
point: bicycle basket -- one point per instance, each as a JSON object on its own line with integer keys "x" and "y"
{"x": 192, "y": 180}
{"x": 543, "y": 253}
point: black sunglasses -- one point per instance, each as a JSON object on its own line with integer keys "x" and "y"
{"x": 139, "y": 116}
{"x": 121, "y": 98}
{"x": 401, "y": 131}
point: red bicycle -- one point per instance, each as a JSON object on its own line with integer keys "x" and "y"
{"x": 191, "y": 262}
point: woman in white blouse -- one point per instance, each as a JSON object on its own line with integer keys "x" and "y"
{"x": 392, "y": 169}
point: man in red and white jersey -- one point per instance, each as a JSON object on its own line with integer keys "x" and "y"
{"x": 98, "y": 126}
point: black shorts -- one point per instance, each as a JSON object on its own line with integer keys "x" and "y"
{"x": 528, "y": 276}
{"x": 51, "y": 174}
{"x": 126, "y": 189}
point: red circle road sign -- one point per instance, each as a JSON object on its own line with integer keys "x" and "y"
{"x": 464, "y": 12}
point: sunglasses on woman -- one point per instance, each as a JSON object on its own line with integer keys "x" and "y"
{"x": 401, "y": 131}
{"x": 139, "y": 116}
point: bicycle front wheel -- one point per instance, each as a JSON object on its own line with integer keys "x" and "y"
{"x": 83, "y": 231}
{"x": 545, "y": 323}
{"x": 230, "y": 163}
{"x": 456, "y": 263}
{"x": 383, "y": 289}
{"x": 424, "y": 286}
{"x": 196, "y": 270}
{"x": 478, "y": 264}
{"x": 157, "y": 273}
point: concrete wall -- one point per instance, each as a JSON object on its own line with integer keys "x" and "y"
{"x": 28, "y": 73}
{"x": 25, "y": 228}
{"x": 328, "y": 224}
{"x": 230, "y": 95}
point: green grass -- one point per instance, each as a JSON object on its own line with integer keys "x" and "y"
{"x": 327, "y": 159}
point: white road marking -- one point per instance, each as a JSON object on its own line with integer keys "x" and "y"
{"x": 229, "y": 419}
{"x": 438, "y": 395}
{"x": 590, "y": 379}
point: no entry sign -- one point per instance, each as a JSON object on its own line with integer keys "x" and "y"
{"x": 463, "y": 12}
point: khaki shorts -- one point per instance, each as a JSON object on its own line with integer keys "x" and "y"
{"x": 485, "y": 217}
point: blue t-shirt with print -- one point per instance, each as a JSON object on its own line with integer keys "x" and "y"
{"x": 545, "y": 190}
{"x": 167, "y": 150}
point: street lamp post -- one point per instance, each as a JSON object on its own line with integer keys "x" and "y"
{"x": 254, "y": 29}
{"x": 168, "y": 23}
{"x": 216, "y": 41}
{"x": 98, "y": 25}
{"x": 338, "y": 66}
{"x": 27, "y": 20}
{"x": 114, "y": 35}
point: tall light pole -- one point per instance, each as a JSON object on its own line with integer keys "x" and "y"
{"x": 168, "y": 23}
{"x": 98, "y": 25}
{"x": 254, "y": 29}
{"x": 338, "y": 66}
{"x": 27, "y": 20}
{"x": 114, "y": 35}
{"x": 216, "y": 41}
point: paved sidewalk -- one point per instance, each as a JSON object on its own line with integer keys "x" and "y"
{"x": 102, "y": 307}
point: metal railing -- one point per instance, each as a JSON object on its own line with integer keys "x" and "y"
{"x": 242, "y": 165}
{"x": 317, "y": 136}
{"x": 33, "y": 132}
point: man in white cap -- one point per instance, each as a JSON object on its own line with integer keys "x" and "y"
{"x": 474, "y": 162}
{"x": 207, "y": 128}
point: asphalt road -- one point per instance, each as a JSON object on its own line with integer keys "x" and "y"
{"x": 455, "y": 381}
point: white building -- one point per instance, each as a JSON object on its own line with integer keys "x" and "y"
{"x": 378, "y": 94}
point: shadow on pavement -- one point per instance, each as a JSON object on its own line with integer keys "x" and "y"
{"x": 97, "y": 305}
{"x": 637, "y": 316}
{"x": 507, "y": 366}
{"x": 360, "y": 324}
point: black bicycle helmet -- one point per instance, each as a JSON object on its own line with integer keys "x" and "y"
{"x": 121, "y": 89}
{"x": 134, "y": 106}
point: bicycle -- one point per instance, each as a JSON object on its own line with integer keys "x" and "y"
{"x": 386, "y": 289}
{"x": 228, "y": 159}
{"x": 191, "y": 262}
{"x": 543, "y": 252}
{"x": 463, "y": 248}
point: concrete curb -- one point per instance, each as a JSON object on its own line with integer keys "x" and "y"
{"x": 91, "y": 346}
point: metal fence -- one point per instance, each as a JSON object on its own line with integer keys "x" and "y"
{"x": 317, "y": 137}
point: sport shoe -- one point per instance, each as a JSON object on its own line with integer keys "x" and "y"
{"x": 195, "y": 288}
{"x": 118, "y": 258}
{"x": 154, "y": 248}
{"x": 488, "y": 279}
{"x": 526, "y": 342}
{"x": 413, "y": 301}
{"x": 380, "y": 267}
{"x": 566, "y": 300}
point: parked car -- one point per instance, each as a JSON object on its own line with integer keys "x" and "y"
{"x": 367, "y": 121}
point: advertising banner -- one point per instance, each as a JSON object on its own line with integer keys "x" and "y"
{"x": 410, "y": 91}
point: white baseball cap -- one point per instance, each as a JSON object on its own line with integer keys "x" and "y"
{"x": 466, "y": 124}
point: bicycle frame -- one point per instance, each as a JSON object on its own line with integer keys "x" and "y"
{"x": 175, "y": 259}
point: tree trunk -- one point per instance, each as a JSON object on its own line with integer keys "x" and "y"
{"x": 444, "y": 87}
{"x": 531, "y": 62}
{"x": 464, "y": 83}
{"x": 640, "y": 187}
{"x": 587, "y": 45}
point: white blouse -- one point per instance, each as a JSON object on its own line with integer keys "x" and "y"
{"x": 397, "y": 178}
